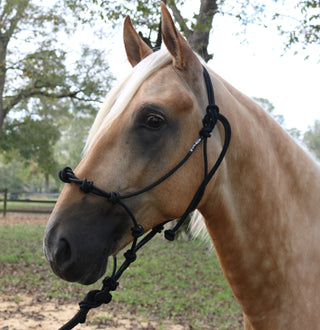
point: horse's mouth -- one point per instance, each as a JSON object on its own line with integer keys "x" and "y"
{"x": 93, "y": 274}
{"x": 89, "y": 276}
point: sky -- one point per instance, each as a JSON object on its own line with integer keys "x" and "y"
{"x": 258, "y": 67}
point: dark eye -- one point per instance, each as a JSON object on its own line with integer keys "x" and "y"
{"x": 154, "y": 121}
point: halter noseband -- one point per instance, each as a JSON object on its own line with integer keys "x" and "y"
{"x": 96, "y": 298}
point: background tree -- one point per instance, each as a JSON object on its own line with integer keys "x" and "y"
{"x": 41, "y": 88}
{"x": 146, "y": 15}
{"x": 306, "y": 30}
{"x": 297, "y": 21}
{"x": 44, "y": 93}
{"x": 311, "y": 138}
{"x": 269, "y": 107}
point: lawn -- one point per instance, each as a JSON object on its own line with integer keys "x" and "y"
{"x": 180, "y": 281}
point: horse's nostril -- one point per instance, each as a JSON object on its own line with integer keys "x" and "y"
{"x": 63, "y": 254}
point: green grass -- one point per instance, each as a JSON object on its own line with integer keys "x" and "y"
{"x": 20, "y": 244}
{"x": 178, "y": 281}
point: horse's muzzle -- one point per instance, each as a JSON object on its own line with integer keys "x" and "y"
{"x": 67, "y": 261}
{"x": 78, "y": 241}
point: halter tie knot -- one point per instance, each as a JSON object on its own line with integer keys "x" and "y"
{"x": 65, "y": 173}
{"x": 110, "y": 283}
{"x": 114, "y": 197}
{"x": 88, "y": 302}
{"x": 86, "y": 186}
{"x": 137, "y": 231}
{"x": 130, "y": 256}
{"x": 104, "y": 296}
{"x": 170, "y": 234}
{"x": 209, "y": 121}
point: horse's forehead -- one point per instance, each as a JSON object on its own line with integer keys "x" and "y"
{"x": 165, "y": 87}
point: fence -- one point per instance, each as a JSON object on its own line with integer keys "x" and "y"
{"x": 20, "y": 203}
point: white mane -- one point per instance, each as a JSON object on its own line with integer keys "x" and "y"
{"x": 121, "y": 95}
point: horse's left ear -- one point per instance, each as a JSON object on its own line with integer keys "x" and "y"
{"x": 135, "y": 47}
{"x": 176, "y": 44}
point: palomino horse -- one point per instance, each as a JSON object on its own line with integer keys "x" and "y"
{"x": 261, "y": 209}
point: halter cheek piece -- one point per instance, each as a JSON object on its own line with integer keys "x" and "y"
{"x": 96, "y": 298}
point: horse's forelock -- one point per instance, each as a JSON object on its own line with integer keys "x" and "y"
{"x": 119, "y": 97}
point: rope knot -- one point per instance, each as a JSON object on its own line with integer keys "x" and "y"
{"x": 137, "y": 231}
{"x": 205, "y": 132}
{"x": 110, "y": 283}
{"x": 213, "y": 108}
{"x": 86, "y": 186}
{"x": 130, "y": 256}
{"x": 89, "y": 301}
{"x": 170, "y": 234}
{"x": 114, "y": 197}
{"x": 209, "y": 121}
{"x": 65, "y": 173}
{"x": 104, "y": 296}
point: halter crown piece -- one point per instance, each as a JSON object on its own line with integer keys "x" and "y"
{"x": 95, "y": 298}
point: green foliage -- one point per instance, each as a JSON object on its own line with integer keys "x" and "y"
{"x": 144, "y": 14}
{"x": 312, "y": 138}
{"x": 298, "y": 22}
{"x": 308, "y": 30}
{"x": 12, "y": 175}
{"x": 269, "y": 107}
{"x": 34, "y": 140}
{"x": 42, "y": 90}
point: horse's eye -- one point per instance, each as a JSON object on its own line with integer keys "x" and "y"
{"x": 154, "y": 121}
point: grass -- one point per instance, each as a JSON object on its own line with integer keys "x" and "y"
{"x": 178, "y": 281}
{"x": 20, "y": 244}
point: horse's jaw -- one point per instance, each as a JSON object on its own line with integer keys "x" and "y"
{"x": 79, "y": 240}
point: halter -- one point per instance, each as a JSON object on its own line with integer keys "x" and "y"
{"x": 95, "y": 298}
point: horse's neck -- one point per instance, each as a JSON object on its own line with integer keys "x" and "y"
{"x": 263, "y": 215}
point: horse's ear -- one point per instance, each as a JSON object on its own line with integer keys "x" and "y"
{"x": 135, "y": 47}
{"x": 176, "y": 44}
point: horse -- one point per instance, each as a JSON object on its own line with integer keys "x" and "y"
{"x": 261, "y": 209}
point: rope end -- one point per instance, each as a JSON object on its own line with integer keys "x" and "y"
{"x": 170, "y": 235}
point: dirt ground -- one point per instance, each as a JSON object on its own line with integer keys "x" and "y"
{"x": 24, "y": 312}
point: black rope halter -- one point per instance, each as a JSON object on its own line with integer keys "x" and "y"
{"x": 95, "y": 298}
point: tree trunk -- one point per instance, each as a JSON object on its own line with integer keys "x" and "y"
{"x": 3, "y": 69}
{"x": 46, "y": 183}
{"x": 198, "y": 38}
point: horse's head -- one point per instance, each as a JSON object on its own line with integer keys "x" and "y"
{"x": 147, "y": 126}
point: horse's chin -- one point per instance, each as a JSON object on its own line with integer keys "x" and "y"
{"x": 93, "y": 275}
